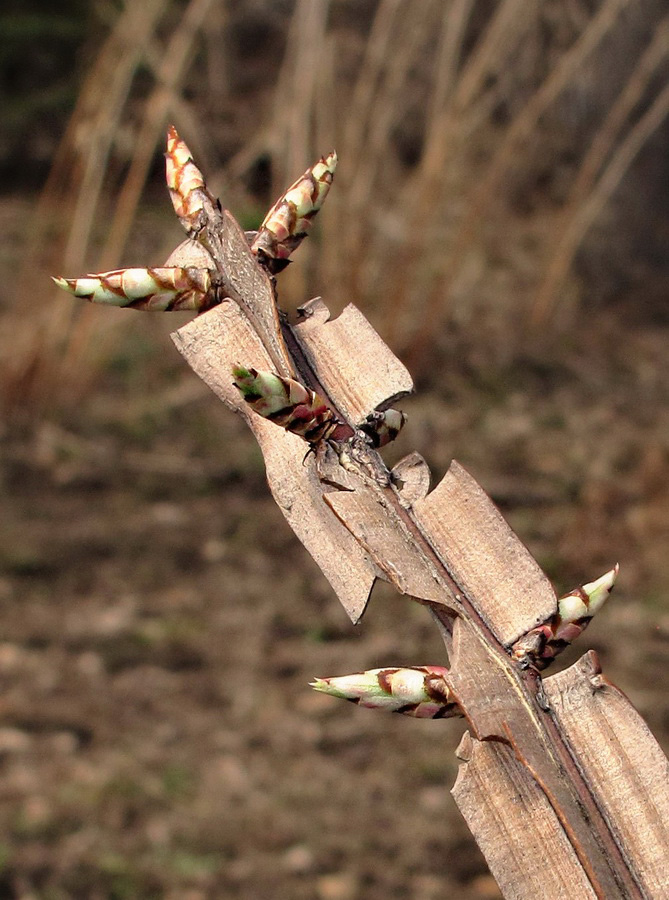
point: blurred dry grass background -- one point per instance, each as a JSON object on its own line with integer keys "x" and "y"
{"x": 500, "y": 214}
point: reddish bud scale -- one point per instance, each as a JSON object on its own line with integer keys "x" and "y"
{"x": 286, "y": 403}
{"x": 185, "y": 181}
{"x": 287, "y": 222}
{"x": 542, "y": 644}
{"x": 161, "y": 289}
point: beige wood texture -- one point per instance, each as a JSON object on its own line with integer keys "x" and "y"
{"x": 190, "y": 253}
{"x": 245, "y": 282}
{"x": 212, "y": 344}
{"x": 253, "y": 292}
{"x": 514, "y": 825}
{"x": 583, "y": 764}
{"x": 623, "y": 762}
{"x": 413, "y": 475}
{"x": 484, "y": 556}
{"x": 357, "y": 369}
{"x": 389, "y": 544}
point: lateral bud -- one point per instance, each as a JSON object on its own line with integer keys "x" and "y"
{"x": 383, "y": 427}
{"x": 287, "y": 403}
{"x": 542, "y": 644}
{"x": 288, "y": 221}
{"x": 185, "y": 182}
{"x": 419, "y": 691}
{"x": 161, "y": 289}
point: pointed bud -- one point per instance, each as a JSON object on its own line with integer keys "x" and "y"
{"x": 161, "y": 289}
{"x": 287, "y": 403}
{"x": 383, "y": 427}
{"x": 596, "y": 593}
{"x": 419, "y": 691}
{"x": 287, "y": 222}
{"x": 185, "y": 181}
{"x": 575, "y": 610}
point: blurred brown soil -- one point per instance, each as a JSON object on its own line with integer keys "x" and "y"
{"x": 160, "y": 625}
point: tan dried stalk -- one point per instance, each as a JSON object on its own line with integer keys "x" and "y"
{"x": 312, "y": 18}
{"x": 456, "y": 118}
{"x": 174, "y": 60}
{"x": 90, "y": 131}
{"x": 292, "y": 141}
{"x": 328, "y": 259}
{"x": 161, "y": 102}
{"x": 447, "y": 129}
{"x": 289, "y": 137}
{"x": 609, "y": 180}
{"x": 368, "y": 178}
{"x": 483, "y": 194}
{"x": 72, "y": 192}
{"x": 377, "y": 53}
{"x": 98, "y": 135}
{"x": 573, "y": 222}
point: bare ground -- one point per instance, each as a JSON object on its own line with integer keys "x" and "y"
{"x": 160, "y": 625}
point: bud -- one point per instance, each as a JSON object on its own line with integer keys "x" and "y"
{"x": 575, "y": 610}
{"x": 287, "y": 222}
{"x": 162, "y": 289}
{"x": 383, "y": 427}
{"x": 287, "y": 403}
{"x": 419, "y": 691}
{"x": 184, "y": 181}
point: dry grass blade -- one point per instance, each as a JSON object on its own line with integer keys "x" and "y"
{"x": 445, "y": 128}
{"x": 272, "y": 136}
{"x": 453, "y": 24}
{"x": 173, "y": 64}
{"x": 175, "y": 58}
{"x": 134, "y": 33}
{"x": 501, "y": 35}
{"x": 290, "y": 136}
{"x": 520, "y": 129}
{"x": 567, "y": 232}
{"x": 328, "y": 259}
{"x": 108, "y": 77}
{"x": 313, "y": 19}
{"x": 377, "y": 53}
{"x": 89, "y": 138}
{"x": 382, "y": 119}
{"x": 588, "y": 211}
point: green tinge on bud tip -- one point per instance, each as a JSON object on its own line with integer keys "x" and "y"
{"x": 599, "y": 590}
{"x": 265, "y": 386}
{"x": 351, "y": 687}
{"x": 585, "y": 601}
{"x": 160, "y": 289}
{"x": 287, "y": 403}
{"x": 419, "y": 691}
